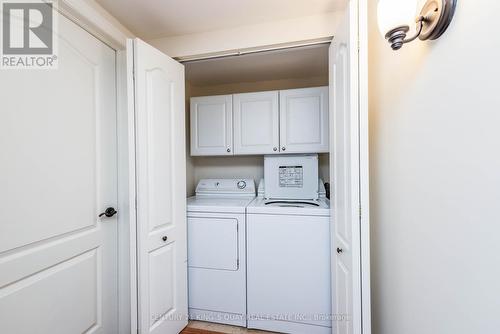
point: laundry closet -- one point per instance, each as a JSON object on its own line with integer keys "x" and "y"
{"x": 233, "y": 143}
{"x": 236, "y": 154}
{"x": 258, "y": 225}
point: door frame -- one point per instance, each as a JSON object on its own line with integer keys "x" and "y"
{"x": 364, "y": 158}
{"x": 96, "y": 21}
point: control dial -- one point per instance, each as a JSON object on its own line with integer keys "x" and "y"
{"x": 241, "y": 184}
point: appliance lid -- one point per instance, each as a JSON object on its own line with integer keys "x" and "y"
{"x": 261, "y": 205}
{"x": 291, "y": 204}
{"x": 321, "y": 189}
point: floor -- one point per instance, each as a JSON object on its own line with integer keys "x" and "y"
{"x": 200, "y": 327}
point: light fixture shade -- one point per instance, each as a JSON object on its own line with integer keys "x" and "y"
{"x": 395, "y": 13}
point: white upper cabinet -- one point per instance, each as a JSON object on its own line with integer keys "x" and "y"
{"x": 256, "y": 123}
{"x": 272, "y": 122}
{"x": 304, "y": 120}
{"x": 212, "y": 125}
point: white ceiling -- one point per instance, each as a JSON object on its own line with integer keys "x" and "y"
{"x": 150, "y": 19}
{"x": 305, "y": 62}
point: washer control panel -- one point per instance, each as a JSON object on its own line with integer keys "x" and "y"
{"x": 226, "y": 187}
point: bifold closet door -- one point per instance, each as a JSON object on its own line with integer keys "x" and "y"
{"x": 161, "y": 191}
{"x": 349, "y": 171}
{"x": 256, "y": 123}
{"x": 58, "y": 258}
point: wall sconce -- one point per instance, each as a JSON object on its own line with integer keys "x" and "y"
{"x": 395, "y": 15}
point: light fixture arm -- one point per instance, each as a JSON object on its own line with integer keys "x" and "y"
{"x": 397, "y": 36}
{"x": 420, "y": 21}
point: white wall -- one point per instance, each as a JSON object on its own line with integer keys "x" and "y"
{"x": 229, "y": 167}
{"x": 256, "y": 35}
{"x": 190, "y": 177}
{"x": 247, "y": 87}
{"x": 242, "y": 166}
{"x": 435, "y": 178}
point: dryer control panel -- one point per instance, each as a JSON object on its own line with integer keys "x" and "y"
{"x": 226, "y": 187}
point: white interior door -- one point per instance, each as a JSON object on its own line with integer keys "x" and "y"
{"x": 161, "y": 193}
{"x": 256, "y": 123}
{"x": 58, "y": 259}
{"x": 349, "y": 178}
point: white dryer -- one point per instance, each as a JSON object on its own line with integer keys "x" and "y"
{"x": 216, "y": 250}
{"x": 288, "y": 264}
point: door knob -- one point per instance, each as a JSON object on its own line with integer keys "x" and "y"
{"x": 109, "y": 212}
{"x": 340, "y": 250}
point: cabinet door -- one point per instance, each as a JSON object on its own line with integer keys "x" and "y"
{"x": 212, "y": 125}
{"x": 256, "y": 123}
{"x": 304, "y": 120}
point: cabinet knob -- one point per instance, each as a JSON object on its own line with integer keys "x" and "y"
{"x": 340, "y": 250}
{"x": 275, "y": 149}
{"x": 228, "y": 150}
{"x": 283, "y": 148}
{"x": 164, "y": 238}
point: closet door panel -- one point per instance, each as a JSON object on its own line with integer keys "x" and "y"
{"x": 211, "y": 125}
{"x": 256, "y": 123}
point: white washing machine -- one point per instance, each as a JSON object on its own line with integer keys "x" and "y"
{"x": 288, "y": 254}
{"x": 216, "y": 250}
